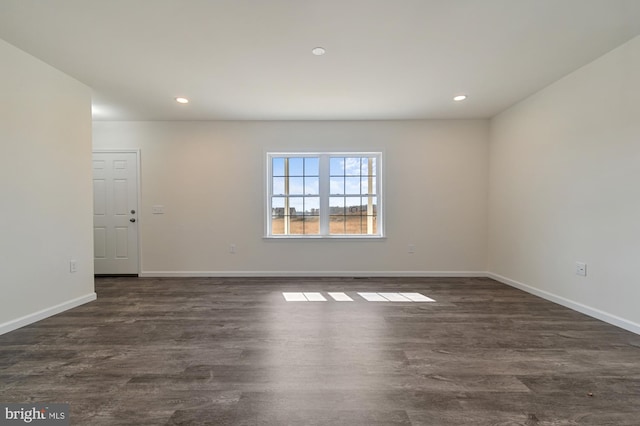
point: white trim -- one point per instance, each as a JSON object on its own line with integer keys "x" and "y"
{"x": 388, "y": 274}
{"x": 46, "y": 313}
{"x": 138, "y": 191}
{"x": 579, "y": 307}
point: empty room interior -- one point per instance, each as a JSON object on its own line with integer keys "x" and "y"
{"x": 286, "y": 212}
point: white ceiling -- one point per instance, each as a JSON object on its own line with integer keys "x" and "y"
{"x": 251, "y": 59}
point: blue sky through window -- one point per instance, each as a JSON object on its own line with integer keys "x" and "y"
{"x": 304, "y": 176}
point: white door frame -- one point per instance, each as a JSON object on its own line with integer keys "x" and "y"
{"x": 139, "y": 178}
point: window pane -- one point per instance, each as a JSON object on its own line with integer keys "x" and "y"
{"x": 277, "y": 165}
{"x": 365, "y": 166}
{"x": 353, "y": 206}
{"x": 352, "y": 185}
{"x": 277, "y": 206}
{"x": 296, "y": 226}
{"x": 296, "y": 185}
{"x": 374, "y": 224}
{"x": 311, "y": 225}
{"x": 352, "y": 166}
{"x": 336, "y": 166}
{"x": 296, "y": 206}
{"x": 353, "y": 225}
{"x": 336, "y": 185}
{"x": 311, "y": 206}
{"x": 336, "y": 206}
{"x": 295, "y": 166}
{"x": 364, "y": 185}
{"x": 311, "y": 185}
{"x": 365, "y": 206}
{"x": 277, "y": 225}
{"x": 278, "y": 186}
{"x": 336, "y": 224}
{"x": 311, "y": 166}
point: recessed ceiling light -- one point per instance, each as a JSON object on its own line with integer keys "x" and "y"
{"x": 460, "y": 98}
{"x": 182, "y": 100}
{"x": 318, "y": 51}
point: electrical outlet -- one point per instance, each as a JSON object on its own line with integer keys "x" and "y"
{"x": 73, "y": 266}
{"x": 232, "y": 249}
{"x": 581, "y": 269}
{"x": 411, "y": 248}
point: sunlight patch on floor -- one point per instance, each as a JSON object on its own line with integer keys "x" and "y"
{"x": 340, "y": 297}
{"x": 368, "y": 296}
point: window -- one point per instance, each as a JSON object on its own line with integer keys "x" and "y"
{"x": 324, "y": 195}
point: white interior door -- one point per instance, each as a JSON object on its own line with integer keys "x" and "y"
{"x": 115, "y": 212}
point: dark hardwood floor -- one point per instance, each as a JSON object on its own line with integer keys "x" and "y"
{"x": 233, "y": 352}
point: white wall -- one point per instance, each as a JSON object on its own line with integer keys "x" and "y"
{"x": 45, "y": 190}
{"x": 565, "y": 187}
{"x": 210, "y": 178}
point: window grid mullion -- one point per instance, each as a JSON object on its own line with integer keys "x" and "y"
{"x": 324, "y": 194}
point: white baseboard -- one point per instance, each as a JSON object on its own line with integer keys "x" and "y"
{"x": 45, "y": 313}
{"x": 587, "y": 310}
{"x": 222, "y": 274}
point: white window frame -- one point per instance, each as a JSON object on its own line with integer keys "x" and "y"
{"x": 324, "y": 194}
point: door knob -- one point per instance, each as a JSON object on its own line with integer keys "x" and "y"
{"x": 133, "y": 212}
{"x": 132, "y": 220}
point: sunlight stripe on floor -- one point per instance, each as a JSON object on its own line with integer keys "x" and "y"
{"x": 417, "y": 297}
{"x": 294, "y": 297}
{"x": 340, "y": 297}
{"x": 315, "y": 297}
{"x": 372, "y": 297}
{"x": 394, "y": 297}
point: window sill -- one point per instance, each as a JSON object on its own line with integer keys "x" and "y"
{"x": 324, "y": 237}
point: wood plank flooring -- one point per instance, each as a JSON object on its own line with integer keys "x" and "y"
{"x": 234, "y": 352}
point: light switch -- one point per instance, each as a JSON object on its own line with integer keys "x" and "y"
{"x": 157, "y": 209}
